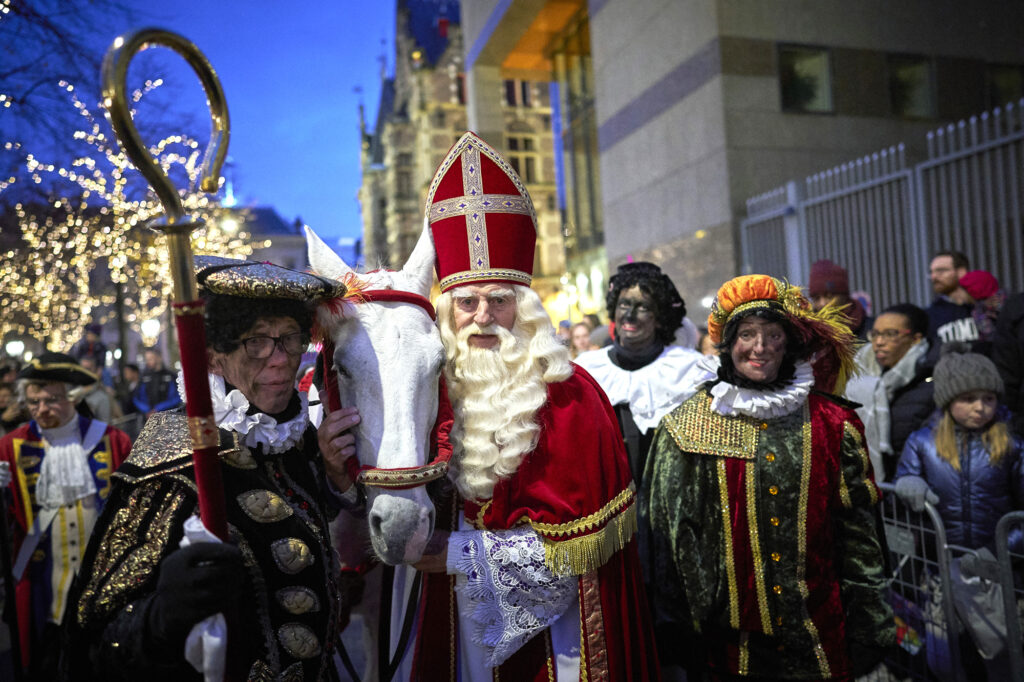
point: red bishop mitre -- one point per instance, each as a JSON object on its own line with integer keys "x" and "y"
{"x": 481, "y": 218}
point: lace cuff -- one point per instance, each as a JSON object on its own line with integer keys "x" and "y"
{"x": 504, "y": 588}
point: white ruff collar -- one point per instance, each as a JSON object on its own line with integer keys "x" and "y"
{"x": 229, "y": 411}
{"x": 727, "y": 399}
{"x": 651, "y": 391}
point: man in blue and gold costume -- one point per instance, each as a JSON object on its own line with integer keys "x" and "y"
{"x": 59, "y": 466}
{"x": 143, "y": 595}
{"x": 762, "y": 501}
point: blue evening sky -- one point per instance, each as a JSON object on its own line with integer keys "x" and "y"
{"x": 289, "y": 70}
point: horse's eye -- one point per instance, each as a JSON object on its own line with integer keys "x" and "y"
{"x": 342, "y": 372}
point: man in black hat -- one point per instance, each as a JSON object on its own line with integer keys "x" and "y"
{"x": 60, "y": 465}
{"x": 146, "y": 583}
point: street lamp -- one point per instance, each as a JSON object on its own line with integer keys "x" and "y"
{"x": 150, "y": 330}
{"x": 15, "y": 348}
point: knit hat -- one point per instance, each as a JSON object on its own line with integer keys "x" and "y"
{"x": 827, "y": 278}
{"x": 959, "y": 371}
{"x": 979, "y": 284}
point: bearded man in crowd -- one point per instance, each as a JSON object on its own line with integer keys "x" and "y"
{"x": 543, "y": 576}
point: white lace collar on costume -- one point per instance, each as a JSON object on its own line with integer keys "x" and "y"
{"x": 230, "y": 413}
{"x": 728, "y": 399}
{"x": 651, "y": 391}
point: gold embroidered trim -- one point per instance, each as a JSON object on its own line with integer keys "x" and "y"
{"x": 291, "y": 555}
{"x": 297, "y": 600}
{"x": 851, "y": 430}
{"x": 591, "y": 521}
{"x": 391, "y": 478}
{"x": 755, "y": 548}
{"x": 183, "y": 309}
{"x": 164, "y": 439}
{"x": 844, "y": 491}
{"x": 551, "y": 656}
{"x": 801, "y": 534}
{"x": 589, "y": 549}
{"x": 696, "y": 428}
{"x": 595, "y": 656}
{"x": 19, "y": 475}
{"x": 467, "y": 276}
{"x": 730, "y": 567}
{"x": 744, "y": 662}
{"x": 203, "y": 432}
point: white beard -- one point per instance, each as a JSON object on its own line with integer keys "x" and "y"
{"x": 495, "y": 393}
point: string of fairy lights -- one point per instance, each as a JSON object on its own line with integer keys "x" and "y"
{"x": 82, "y": 244}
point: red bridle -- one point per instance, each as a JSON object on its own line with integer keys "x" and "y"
{"x": 405, "y": 477}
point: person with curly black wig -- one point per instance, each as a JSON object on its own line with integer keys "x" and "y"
{"x": 641, "y": 370}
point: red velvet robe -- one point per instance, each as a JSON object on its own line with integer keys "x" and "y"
{"x": 576, "y": 492}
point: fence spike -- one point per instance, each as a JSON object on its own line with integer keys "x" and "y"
{"x": 973, "y": 123}
{"x": 985, "y": 122}
{"x": 931, "y": 144}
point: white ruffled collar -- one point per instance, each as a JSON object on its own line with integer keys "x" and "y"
{"x": 230, "y": 412}
{"x": 651, "y": 391}
{"x": 729, "y": 399}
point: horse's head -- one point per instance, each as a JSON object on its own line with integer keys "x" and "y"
{"x": 388, "y": 357}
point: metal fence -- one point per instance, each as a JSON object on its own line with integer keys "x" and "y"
{"x": 927, "y": 593}
{"x": 882, "y": 219}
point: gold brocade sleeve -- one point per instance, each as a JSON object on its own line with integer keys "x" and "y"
{"x": 143, "y": 526}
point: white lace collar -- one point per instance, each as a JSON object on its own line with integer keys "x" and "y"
{"x": 651, "y": 391}
{"x": 229, "y": 411}
{"x": 728, "y": 399}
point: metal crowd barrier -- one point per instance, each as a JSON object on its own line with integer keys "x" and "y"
{"x": 930, "y": 632}
{"x": 1013, "y": 590}
{"x": 919, "y": 589}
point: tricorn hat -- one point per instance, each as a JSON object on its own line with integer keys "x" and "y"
{"x": 58, "y": 367}
{"x": 481, "y": 218}
{"x": 256, "y": 279}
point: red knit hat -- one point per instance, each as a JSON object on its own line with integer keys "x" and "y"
{"x": 481, "y": 218}
{"x": 979, "y": 284}
{"x": 827, "y": 278}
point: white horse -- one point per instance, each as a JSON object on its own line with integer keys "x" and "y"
{"x": 388, "y": 357}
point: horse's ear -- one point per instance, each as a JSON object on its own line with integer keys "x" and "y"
{"x": 419, "y": 269}
{"x": 323, "y": 259}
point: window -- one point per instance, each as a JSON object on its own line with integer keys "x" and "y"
{"x": 404, "y": 184}
{"x": 1004, "y": 83}
{"x": 805, "y": 79}
{"x": 911, "y": 86}
{"x": 524, "y": 91}
{"x": 405, "y": 159}
{"x": 461, "y": 88}
{"x": 510, "y": 93}
{"x": 439, "y": 120}
{"x": 522, "y": 156}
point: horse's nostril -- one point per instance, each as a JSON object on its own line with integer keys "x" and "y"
{"x": 376, "y": 521}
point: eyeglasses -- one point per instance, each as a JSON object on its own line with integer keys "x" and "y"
{"x": 36, "y": 403}
{"x": 886, "y": 334}
{"x": 261, "y": 347}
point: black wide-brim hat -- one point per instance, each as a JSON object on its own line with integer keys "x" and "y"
{"x": 58, "y": 367}
{"x": 255, "y": 279}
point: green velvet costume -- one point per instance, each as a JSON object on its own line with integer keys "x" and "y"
{"x": 764, "y": 544}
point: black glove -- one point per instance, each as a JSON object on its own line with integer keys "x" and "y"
{"x": 195, "y": 582}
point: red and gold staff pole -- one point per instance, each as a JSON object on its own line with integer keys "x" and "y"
{"x": 187, "y": 307}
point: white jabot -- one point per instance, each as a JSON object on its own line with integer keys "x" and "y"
{"x": 651, "y": 391}
{"x": 65, "y": 475}
{"x": 230, "y": 412}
